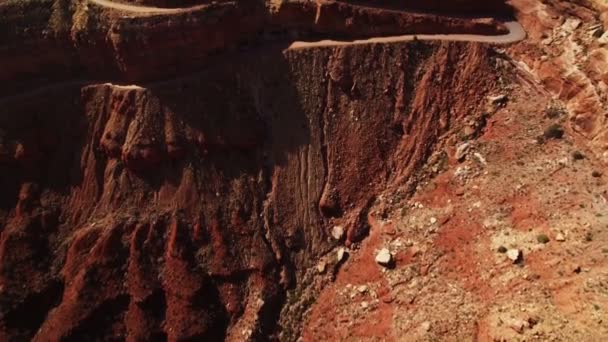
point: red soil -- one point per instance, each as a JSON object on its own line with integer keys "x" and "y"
{"x": 201, "y": 207}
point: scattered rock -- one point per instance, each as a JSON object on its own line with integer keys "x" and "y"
{"x": 555, "y": 110}
{"x": 596, "y": 174}
{"x": 571, "y": 24}
{"x": 462, "y": 150}
{"x": 337, "y": 232}
{"x": 596, "y": 31}
{"x": 502, "y": 249}
{"x": 577, "y": 269}
{"x": 362, "y": 288}
{"x": 433, "y": 220}
{"x": 519, "y": 325}
{"x": 542, "y": 238}
{"x": 341, "y": 254}
{"x": 462, "y": 172}
{"x": 426, "y": 326}
{"x": 560, "y": 237}
{"x": 554, "y": 131}
{"x": 321, "y": 267}
{"x": 514, "y": 255}
{"x": 578, "y": 155}
{"x": 388, "y": 298}
{"x": 469, "y": 132}
{"x": 603, "y": 39}
{"x": 384, "y": 257}
{"x": 500, "y": 99}
{"x": 364, "y": 305}
{"x": 480, "y": 159}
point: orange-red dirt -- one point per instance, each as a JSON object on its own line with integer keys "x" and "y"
{"x": 178, "y": 177}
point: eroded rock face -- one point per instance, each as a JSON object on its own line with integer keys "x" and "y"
{"x": 188, "y": 209}
{"x": 68, "y": 40}
{"x": 566, "y": 56}
{"x": 193, "y": 208}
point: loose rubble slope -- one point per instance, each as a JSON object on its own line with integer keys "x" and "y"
{"x": 505, "y": 236}
{"x": 185, "y": 175}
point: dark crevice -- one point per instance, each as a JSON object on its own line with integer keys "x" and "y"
{"x": 269, "y": 318}
{"x": 235, "y": 277}
{"x": 323, "y": 141}
{"x": 101, "y": 323}
{"x": 155, "y": 305}
{"x": 361, "y": 227}
{"x": 207, "y": 300}
{"x": 28, "y": 316}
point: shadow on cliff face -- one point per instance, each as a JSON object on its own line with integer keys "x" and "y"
{"x": 39, "y": 138}
{"x": 244, "y": 105}
{"x": 229, "y": 178}
{"x": 92, "y": 41}
{"x": 245, "y": 118}
{"x": 227, "y": 145}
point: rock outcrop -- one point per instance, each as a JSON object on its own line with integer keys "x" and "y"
{"x": 193, "y": 207}
{"x": 66, "y": 40}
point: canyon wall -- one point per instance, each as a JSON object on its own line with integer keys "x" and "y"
{"x": 60, "y": 39}
{"x": 192, "y": 208}
{"x": 177, "y": 177}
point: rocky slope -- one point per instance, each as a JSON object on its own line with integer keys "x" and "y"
{"x": 188, "y": 177}
{"x": 149, "y": 190}
{"x": 504, "y": 240}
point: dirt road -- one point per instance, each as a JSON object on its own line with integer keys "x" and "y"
{"x": 516, "y": 31}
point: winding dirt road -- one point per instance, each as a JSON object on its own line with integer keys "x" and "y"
{"x": 516, "y": 31}
{"x": 144, "y": 9}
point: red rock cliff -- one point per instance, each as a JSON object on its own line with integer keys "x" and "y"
{"x": 195, "y": 207}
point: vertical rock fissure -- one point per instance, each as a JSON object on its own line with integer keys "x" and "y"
{"x": 323, "y": 112}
